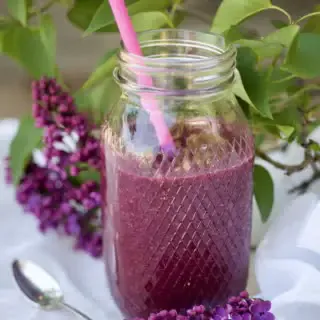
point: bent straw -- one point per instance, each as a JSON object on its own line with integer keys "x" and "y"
{"x": 131, "y": 42}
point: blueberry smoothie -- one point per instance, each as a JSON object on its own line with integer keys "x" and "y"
{"x": 178, "y": 234}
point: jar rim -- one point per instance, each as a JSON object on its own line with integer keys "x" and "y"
{"x": 205, "y": 61}
{"x": 224, "y": 53}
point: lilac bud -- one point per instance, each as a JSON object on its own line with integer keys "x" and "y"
{"x": 42, "y": 83}
{"x": 163, "y": 313}
{"x": 45, "y": 98}
{"x": 221, "y": 311}
{"x": 228, "y": 308}
{"x": 244, "y": 294}
{"x": 54, "y": 99}
{"x": 74, "y": 171}
{"x": 63, "y": 108}
{"x": 173, "y": 313}
{"x": 36, "y": 95}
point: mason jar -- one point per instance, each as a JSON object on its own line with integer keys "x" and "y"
{"x": 176, "y": 224}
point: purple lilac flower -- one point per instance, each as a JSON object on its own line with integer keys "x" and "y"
{"x": 241, "y": 307}
{"x": 51, "y": 193}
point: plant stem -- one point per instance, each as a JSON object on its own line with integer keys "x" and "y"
{"x": 284, "y": 12}
{"x": 313, "y": 108}
{"x": 289, "y": 169}
{"x": 292, "y": 76}
{"x": 303, "y": 90}
{"x": 305, "y": 185}
{"x": 174, "y": 8}
{"x": 169, "y": 20}
{"x": 308, "y": 16}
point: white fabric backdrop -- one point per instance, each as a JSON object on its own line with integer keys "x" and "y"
{"x": 287, "y": 266}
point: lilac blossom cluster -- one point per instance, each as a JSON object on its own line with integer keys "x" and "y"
{"x": 51, "y": 190}
{"x": 241, "y": 307}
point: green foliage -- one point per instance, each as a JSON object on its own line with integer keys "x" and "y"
{"x": 88, "y": 175}
{"x": 233, "y": 12}
{"x": 48, "y": 36}
{"x": 303, "y": 56}
{"x": 263, "y": 191}
{"x": 26, "y": 140}
{"x": 150, "y": 20}
{"x": 313, "y": 23}
{"x": 269, "y": 80}
{"x": 31, "y": 46}
{"x": 103, "y": 70}
{"x": 254, "y": 81}
{"x": 81, "y": 14}
{"x": 97, "y": 101}
{"x": 96, "y": 15}
{"x": 19, "y": 10}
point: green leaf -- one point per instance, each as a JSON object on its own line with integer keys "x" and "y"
{"x": 4, "y": 27}
{"x": 255, "y": 82}
{"x": 239, "y": 90}
{"x": 288, "y": 122}
{"x": 277, "y": 85}
{"x": 88, "y": 175}
{"x": 179, "y": 18}
{"x": 150, "y": 20}
{"x": 263, "y": 191}
{"x": 233, "y": 34}
{"x": 26, "y": 140}
{"x": 97, "y": 101}
{"x": 26, "y": 46}
{"x": 261, "y": 49}
{"x": 284, "y": 36}
{"x": 81, "y": 14}
{"x": 239, "y": 32}
{"x": 48, "y": 36}
{"x": 258, "y": 140}
{"x": 245, "y": 107}
{"x": 313, "y": 23}
{"x": 273, "y": 44}
{"x": 145, "y": 21}
{"x": 303, "y": 57}
{"x": 314, "y": 145}
{"x": 106, "y": 57}
{"x": 284, "y": 125}
{"x": 289, "y": 116}
{"x": 286, "y": 132}
{"x": 104, "y": 16}
{"x": 232, "y": 12}
{"x": 103, "y": 71}
{"x": 18, "y": 10}
{"x": 83, "y": 11}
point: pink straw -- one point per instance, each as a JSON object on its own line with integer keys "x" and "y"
{"x": 131, "y": 42}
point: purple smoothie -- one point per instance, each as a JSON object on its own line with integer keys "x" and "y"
{"x": 178, "y": 240}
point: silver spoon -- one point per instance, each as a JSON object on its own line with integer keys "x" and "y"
{"x": 40, "y": 287}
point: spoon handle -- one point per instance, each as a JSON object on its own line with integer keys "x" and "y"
{"x": 76, "y": 311}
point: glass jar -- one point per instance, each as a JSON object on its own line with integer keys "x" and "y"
{"x": 177, "y": 226}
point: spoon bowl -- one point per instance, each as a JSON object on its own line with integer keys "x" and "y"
{"x": 40, "y": 287}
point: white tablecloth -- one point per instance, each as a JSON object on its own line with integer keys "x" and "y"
{"x": 288, "y": 260}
